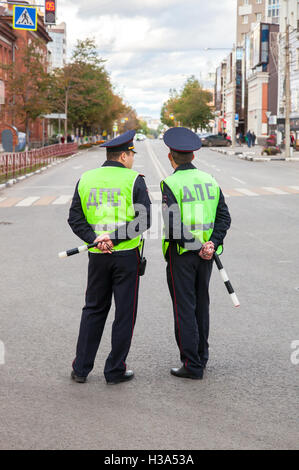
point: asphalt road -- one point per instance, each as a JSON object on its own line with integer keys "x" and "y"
{"x": 249, "y": 396}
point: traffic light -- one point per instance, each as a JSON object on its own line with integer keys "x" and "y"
{"x": 50, "y": 12}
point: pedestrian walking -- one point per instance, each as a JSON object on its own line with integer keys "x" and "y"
{"x": 249, "y": 138}
{"x": 105, "y": 207}
{"x": 196, "y": 220}
{"x": 253, "y": 139}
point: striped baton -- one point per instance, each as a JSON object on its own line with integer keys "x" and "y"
{"x": 226, "y": 281}
{"x": 75, "y": 251}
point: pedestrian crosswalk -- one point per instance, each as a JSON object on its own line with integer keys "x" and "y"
{"x": 65, "y": 199}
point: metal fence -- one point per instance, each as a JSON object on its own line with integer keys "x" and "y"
{"x": 16, "y": 164}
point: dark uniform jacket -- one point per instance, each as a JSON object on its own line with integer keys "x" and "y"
{"x": 83, "y": 230}
{"x": 221, "y": 225}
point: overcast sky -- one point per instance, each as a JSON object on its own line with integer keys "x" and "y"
{"x": 152, "y": 45}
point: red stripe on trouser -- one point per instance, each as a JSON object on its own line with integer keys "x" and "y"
{"x": 175, "y": 305}
{"x": 135, "y": 295}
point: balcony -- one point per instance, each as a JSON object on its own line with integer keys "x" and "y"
{"x": 245, "y": 10}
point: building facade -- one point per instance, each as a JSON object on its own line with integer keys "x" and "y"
{"x": 58, "y": 45}
{"x": 249, "y": 12}
{"x": 289, "y": 17}
{"x": 12, "y": 46}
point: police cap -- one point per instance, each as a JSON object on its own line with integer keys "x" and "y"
{"x": 181, "y": 139}
{"x": 122, "y": 143}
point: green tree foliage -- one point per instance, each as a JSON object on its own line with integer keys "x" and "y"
{"x": 190, "y": 108}
{"x": 28, "y": 86}
{"x": 82, "y": 89}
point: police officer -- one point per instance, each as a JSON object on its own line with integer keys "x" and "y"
{"x": 196, "y": 220}
{"x": 106, "y": 205}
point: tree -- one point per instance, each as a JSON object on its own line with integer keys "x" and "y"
{"x": 28, "y": 86}
{"x": 82, "y": 89}
{"x": 190, "y": 108}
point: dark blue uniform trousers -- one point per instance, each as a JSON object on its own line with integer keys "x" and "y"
{"x": 115, "y": 274}
{"x": 188, "y": 278}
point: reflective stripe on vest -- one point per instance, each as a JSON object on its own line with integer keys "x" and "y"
{"x": 197, "y": 194}
{"x": 106, "y": 195}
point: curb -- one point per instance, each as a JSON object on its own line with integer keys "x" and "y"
{"x": 250, "y": 158}
{"x": 13, "y": 181}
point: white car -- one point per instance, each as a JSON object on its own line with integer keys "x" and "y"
{"x": 140, "y": 137}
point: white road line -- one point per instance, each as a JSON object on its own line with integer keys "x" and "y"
{"x": 2, "y": 199}
{"x": 27, "y": 202}
{"x": 156, "y": 196}
{"x": 245, "y": 191}
{"x": 294, "y": 187}
{"x": 77, "y": 167}
{"x": 274, "y": 190}
{"x": 239, "y": 181}
{"x": 62, "y": 200}
{"x": 225, "y": 194}
{"x": 160, "y": 170}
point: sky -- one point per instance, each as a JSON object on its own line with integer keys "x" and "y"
{"x": 152, "y": 46}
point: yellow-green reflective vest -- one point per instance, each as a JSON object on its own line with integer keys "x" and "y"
{"x": 106, "y": 195}
{"x": 197, "y": 194}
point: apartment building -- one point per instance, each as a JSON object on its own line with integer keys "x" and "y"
{"x": 249, "y": 12}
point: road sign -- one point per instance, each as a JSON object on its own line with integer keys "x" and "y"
{"x": 50, "y": 12}
{"x": 25, "y": 18}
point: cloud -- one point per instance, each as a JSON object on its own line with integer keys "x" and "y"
{"x": 153, "y": 45}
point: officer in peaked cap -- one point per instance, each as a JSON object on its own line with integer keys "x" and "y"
{"x": 102, "y": 211}
{"x": 196, "y": 220}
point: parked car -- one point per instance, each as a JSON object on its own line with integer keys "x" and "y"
{"x": 215, "y": 140}
{"x": 140, "y": 137}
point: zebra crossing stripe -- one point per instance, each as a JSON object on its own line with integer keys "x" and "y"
{"x": 45, "y": 201}
{"x": 27, "y": 202}
{"x": 62, "y": 200}
{"x": 291, "y": 189}
{"x": 9, "y": 202}
{"x": 247, "y": 192}
{"x": 274, "y": 190}
{"x": 2, "y": 199}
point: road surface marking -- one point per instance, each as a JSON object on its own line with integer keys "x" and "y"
{"x": 77, "y": 167}
{"x": 232, "y": 192}
{"x": 239, "y": 181}
{"x": 2, "y": 199}
{"x": 28, "y": 201}
{"x": 11, "y": 201}
{"x": 62, "y": 200}
{"x": 247, "y": 192}
{"x": 156, "y": 196}
{"x": 274, "y": 190}
{"x": 290, "y": 189}
{"x": 45, "y": 201}
{"x": 160, "y": 170}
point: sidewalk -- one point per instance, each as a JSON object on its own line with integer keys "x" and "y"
{"x": 254, "y": 154}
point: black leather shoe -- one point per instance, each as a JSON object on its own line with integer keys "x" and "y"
{"x": 123, "y": 378}
{"x": 185, "y": 374}
{"x": 76, "y": 378}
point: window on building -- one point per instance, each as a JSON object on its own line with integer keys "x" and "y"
{"x": 258, "y": 17}
{"x": 259, "y": 2}
{"x": 245, "y": 19}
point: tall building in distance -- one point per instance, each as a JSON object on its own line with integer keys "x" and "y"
{"x": 58, "y": 45}
{"x": 273, "y": 10}
{"x": 249, "y": 12}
